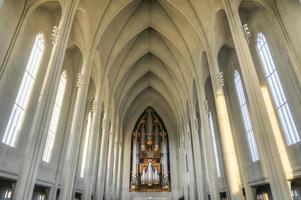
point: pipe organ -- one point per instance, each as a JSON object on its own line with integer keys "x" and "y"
{"x": 150, "y": 155}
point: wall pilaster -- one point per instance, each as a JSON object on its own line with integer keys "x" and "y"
{"x": 39, "y": 130}
{"x": 263, "y": 129}
{"x": 232, "y": 174}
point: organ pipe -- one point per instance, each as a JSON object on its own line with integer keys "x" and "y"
{"x": 150, "y": 165}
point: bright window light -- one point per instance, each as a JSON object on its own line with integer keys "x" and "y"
{"x": 17, "y": 116}
{"x": 246, "y": 116}
{"x": 55, "y": 118}
{"x": 276, "y": 89}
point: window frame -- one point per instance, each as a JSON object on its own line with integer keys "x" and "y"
{"x": 276, "y": 91}
{"x": 245, "y": 114}
{"x": 55, "y": 118}
{"x": 25, "y": 91}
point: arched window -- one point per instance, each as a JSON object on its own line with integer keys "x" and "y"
{"x": 86, "y": 144}
{"x": 246, "y": 116}
{"x": 212, "y": 132}
{"x": 55, "y": 118}
{"x": 17, "y": 116}
{"x": 150, "y": 166}
{"x": 279, "y": 98}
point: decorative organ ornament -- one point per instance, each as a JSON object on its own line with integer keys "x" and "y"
{"x": 149, "y": 155}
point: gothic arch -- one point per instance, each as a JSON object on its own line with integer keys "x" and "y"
{"x": 150, "y": 154}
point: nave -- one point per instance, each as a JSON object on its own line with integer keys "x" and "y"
{"x": 150, "y": 99}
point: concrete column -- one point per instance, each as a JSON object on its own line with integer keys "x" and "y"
{"x": 191, "y": 163}
{"x": 115, "y": 167}
{"x": 119, "y": 175}
{"x": 39, "y": 130}
{"x": 265, "y": 138}
{"x": 73, "y": 146}
{"x": 198, "y": 159}
{"x": 209, "y": 153}
{"x": 96, "y": 158}
{"x": 111, "y": 161}
{"x": 183, "y": 165}
{"x": 92, "y": 149}
{"x": 227, "y": 141}
{"x": 102, "y": 159}
{"x": 116, "y": 164}
{"x": 183, "y": 161}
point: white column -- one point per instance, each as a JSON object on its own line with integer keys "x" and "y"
{"x": 92, "y": 149}
{"x": 193, "y": 192}
{"x": 209, "y": 152}
{"x": 232, "y": 174}
{"x": 183, "y": 165}
{"x": 116, "y": 166}
{"x": 39, "y": 130}
{"x": 188, "y": 152}
{"x": 111, "y": 161}
{"x": 119, "y": 170}
{"x": 198, "y": 158}
{"x": 264, "y": 134}
{"x": 102, "y": 159}
{"x": 73, "y": 146}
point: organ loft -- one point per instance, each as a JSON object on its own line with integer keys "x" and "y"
{"x": 150, "y": 157}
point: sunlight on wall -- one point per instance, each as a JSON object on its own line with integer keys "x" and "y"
{"x": 277, "y": 133}
{"x": 227, "y": 144}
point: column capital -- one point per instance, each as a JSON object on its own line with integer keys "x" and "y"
{"x": 220, "y": 78}
{"x": 94, "y": 105}
{"x": 55, "y": 34}
{"x": 247, "y": 32}
{"x": 196, "y": 124}
{"x": 80, "y": 80}
{"x": 206, "y": 106}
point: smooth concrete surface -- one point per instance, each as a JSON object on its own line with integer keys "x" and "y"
{"x": 177, "y": 56}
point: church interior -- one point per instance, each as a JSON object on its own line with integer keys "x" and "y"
{"x": 150, "y": 99}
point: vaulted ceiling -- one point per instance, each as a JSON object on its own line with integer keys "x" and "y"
{"x": 147, "y": 51}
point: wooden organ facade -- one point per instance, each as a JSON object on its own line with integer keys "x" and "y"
{"x": 150, "y": 170}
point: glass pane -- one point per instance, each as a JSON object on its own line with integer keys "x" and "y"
{"x": 246, "y": 116}
{"x": 285, "y": 117}
{"x": 55, "y": 118}
{"x": 17, "y": 116}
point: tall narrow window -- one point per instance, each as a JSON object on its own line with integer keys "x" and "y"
{"x": 279, "y": 98}
{"x": 55, "y": 118}
{"x": 212, "y": 131}
{"x": 8, "y": 194}
{"x": 41, "y": 197}
{"x": 246, "y": 116}
{"x": 17, "y": 116}
{"x": 87, "y": 139}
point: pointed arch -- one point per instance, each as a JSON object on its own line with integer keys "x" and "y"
{"x": 150, "y": 168}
